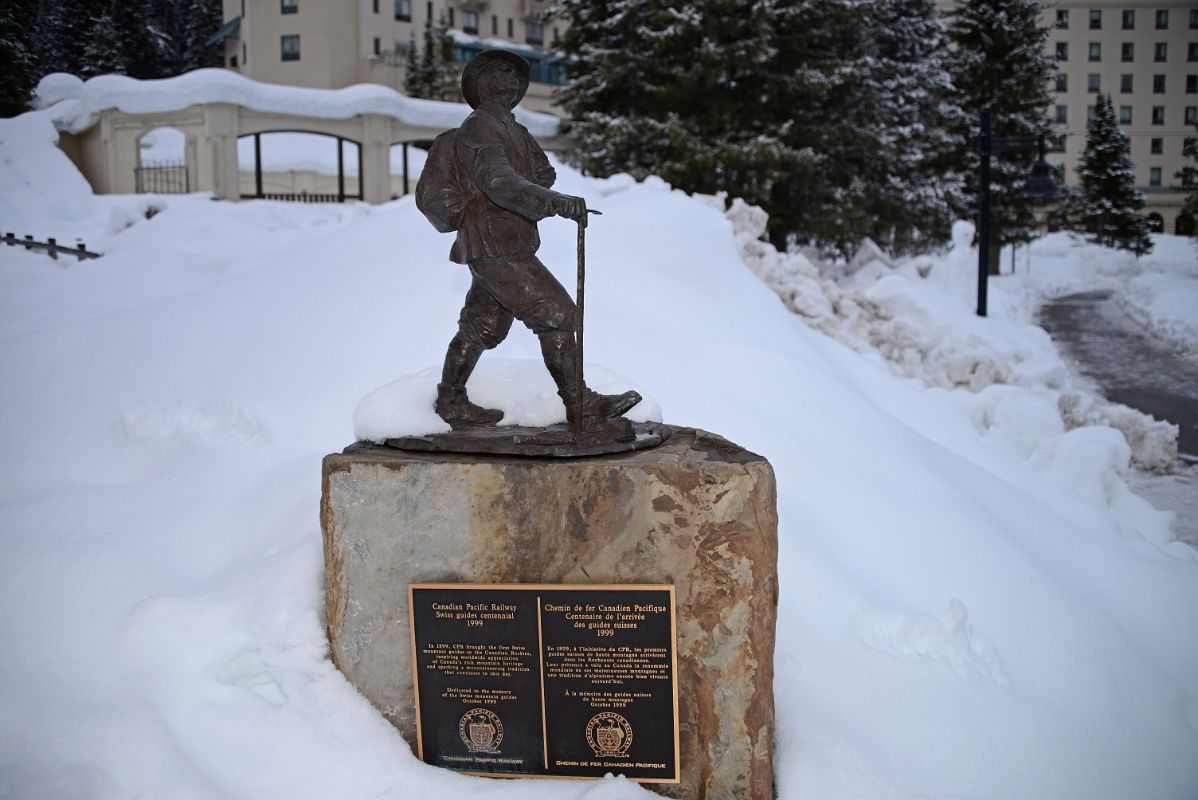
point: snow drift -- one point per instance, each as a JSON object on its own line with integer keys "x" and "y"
{"x": 972, "y": 601}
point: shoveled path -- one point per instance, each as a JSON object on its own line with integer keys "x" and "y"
{"x": 1127, "y": 366}
{"x": 1130, "y": 367}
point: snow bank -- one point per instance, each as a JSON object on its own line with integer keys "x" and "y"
{"x": 918, "y": 315}
{"x": 76, "y": 106}
{"x": 971, "y": 602}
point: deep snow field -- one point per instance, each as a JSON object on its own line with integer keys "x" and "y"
{"x": 973, "y": 603}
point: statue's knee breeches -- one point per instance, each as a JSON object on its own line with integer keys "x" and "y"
{"x": 527, "y": 290}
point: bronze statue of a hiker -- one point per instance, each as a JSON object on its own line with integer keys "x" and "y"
{"x": 490, "y": 181}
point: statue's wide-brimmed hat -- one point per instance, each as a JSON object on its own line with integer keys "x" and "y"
{"x": 479, "y": 63}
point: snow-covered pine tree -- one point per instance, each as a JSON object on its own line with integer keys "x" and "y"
{"x": 913, "y": 189}
{"x": 103, "y": 53}
{"x": 822, "y": 99}
{"x": 17, "y": 63}
{"x": 1109, "y": 207}
{"x": 202, "y": 19}
{"x": 1000, "y": 66}
{"x": 61, "y": 33}
{"x": 679, "y": 90}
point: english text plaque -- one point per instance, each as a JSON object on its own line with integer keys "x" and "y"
{"x": 546, "y": 680}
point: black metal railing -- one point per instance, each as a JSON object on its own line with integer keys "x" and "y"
{"x": 162, "y": 177}
{"x": 50, "y": 247}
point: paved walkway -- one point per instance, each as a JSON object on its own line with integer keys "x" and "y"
{"x": 1129, "y": 367}
{"x": 1126, "y": 365}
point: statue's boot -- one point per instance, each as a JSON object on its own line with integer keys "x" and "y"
{"x": 455, "y": 407}
{"x": 559, "y": 351}
{"x": 597, "y": 406}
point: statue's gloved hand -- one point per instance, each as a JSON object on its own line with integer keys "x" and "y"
{"x": 570, "y": 207}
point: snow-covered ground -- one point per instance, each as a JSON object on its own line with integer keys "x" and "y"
{"x": 973, "y": 602}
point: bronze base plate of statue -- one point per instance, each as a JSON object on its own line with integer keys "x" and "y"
{"x": 601, "y": 437}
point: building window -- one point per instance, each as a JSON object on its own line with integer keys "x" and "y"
{"x": 1125, "y": 84}
{"x": 1063, "y": 19}
{"x": 1055, "y": 143}
{"x": 1160, "y": 51}
{"x": 1191, "y": 84}
{"x": 1158, "y": 115}
{"x": 403, "y": 10}
{"x": 534, "y": 33}
{"x": 290, "y": 48}
{"x": 1154, "y": 176}
{"x": 470, "y": 21}
{"x": 1095, "y": 19}
{"x": 1062, "y": 81}
{"x": 494, "y": 25}
{"x": 1162, "y": 19}
{"x": 1158, "y": 146}
{"x": 233, "y": 61}
{"x": 1095, "y": 51}
{"x": 1062, "y": 114}
{"x": 289, "y": 6}
{"x": 510, "y": 34}
{"x": 1158, "y": 84}
{"x": 1191, "y": 115}
{"x": 378, "y": 47}
{"x": 557, "y": 37}
{"x": 1062, "y": 51}
{"x": 1128, "y": 52}
{"x": 375, "y": 6}
{"x": 1192, "y": 52}
{"x": 1193, "y": 18}
{"x": 1124, "y": 115}
{"x": 1092, "y": 83}
{"x": 451, "y": 22}
{"x": 1129, "y": 20}
{"x": 1091, "y": 113}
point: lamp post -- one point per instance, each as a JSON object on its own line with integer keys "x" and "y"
{"x": 1039, "y": 185}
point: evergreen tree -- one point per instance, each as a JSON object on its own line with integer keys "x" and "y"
{"x": 1109, "y": 207}
{"x": 202, "y": 19}
{"x": 103, "y": 53}
{"x": 914, "y": 189}
{"x": 818, "y": 86}
{"x": 432, "y": 72}
{"x": 17, "y": 63}
{"x": 677, "y": 90}
{"x": 828, "y": 113}
{"x": 61, "y": 33}
{"x": 1188, "y": 175}
{"x": 999, "y": 66}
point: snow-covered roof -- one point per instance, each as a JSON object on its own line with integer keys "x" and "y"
{"x": 77, "y": 103}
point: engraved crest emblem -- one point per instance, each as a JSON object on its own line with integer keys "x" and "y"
{"x": 481, "y": 730}
{"x": 609, "y": 734}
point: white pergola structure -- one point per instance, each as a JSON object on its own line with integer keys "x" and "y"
{"x": 103, "y": 121}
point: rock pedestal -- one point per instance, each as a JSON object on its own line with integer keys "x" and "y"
{"x": 698, "y": 512}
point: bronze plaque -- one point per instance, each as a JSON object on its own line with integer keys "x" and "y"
{"x": 546, "y": 680}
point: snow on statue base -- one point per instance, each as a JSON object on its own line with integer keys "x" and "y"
{"x": 697, "y": 512}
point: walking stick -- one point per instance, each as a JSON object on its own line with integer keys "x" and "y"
{"x": 580, "y": 301}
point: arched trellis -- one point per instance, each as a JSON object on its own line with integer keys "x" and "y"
{"x": 106, "y": 153}
{"x": 342, "y": 195}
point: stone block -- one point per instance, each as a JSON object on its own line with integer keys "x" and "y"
{"x": 698, "y": 512}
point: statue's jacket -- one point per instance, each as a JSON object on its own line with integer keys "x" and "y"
{"x": 507, "y": 178}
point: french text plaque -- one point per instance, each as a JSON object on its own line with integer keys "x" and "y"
{"x": 546, "y": 680}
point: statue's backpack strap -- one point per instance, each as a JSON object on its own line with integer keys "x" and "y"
{"x": 440, "y": 193}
